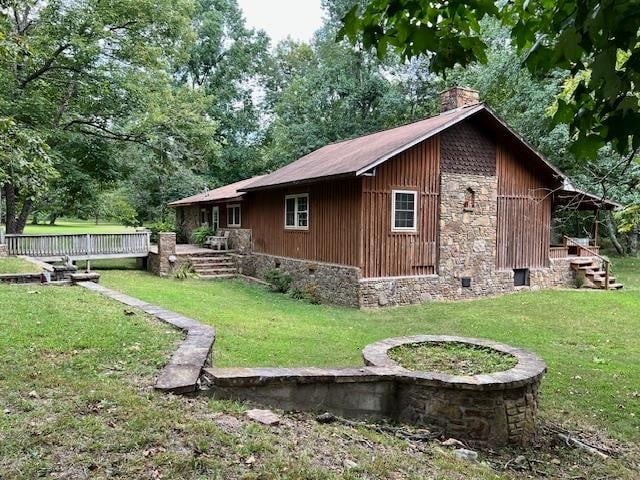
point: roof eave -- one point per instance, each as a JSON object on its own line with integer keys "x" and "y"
{"x": 305, "y": 181}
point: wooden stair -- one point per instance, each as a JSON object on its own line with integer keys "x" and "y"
{"x": 594, "y": 274}
{"x": 217, "y": 264}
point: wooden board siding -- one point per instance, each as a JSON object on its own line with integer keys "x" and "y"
{"x": 524, "y": 211}
{"x": 387, "y": 253}
{"x": 334, "y": 222}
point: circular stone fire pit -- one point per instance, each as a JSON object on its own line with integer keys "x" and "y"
{"x": 489, "y": 409}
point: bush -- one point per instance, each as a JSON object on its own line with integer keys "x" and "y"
{"x": 157, "y": 227}
{"x": 310, "y": 292}
{"x": 579, "y": 280}
{"x": 185, "y": 270}
{"x": 280, "y": 281}
{"x": 199, "y": 235}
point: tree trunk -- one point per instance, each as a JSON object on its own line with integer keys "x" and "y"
{"x": 611, "y": 230}
{"x": 16, "y": 224}
{"x": 10, "y": 197}
{"x": 24, "y": 215}
{"x": 633, "y": 241}
{"x": 52, "y": 218}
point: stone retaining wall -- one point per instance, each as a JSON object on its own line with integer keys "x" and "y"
{"x": 484, "y": 410}
{"x": 3, "y": 250}
{"x": 331, "y": 283}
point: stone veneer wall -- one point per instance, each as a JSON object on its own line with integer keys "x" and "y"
{"x": 191, "y": 219}
{"x": 239, "y": 239}
{"x": 3, "y": 250}
{"x": 467, "y": 249}
{"x": 337, "y": 284}
{"x": 158, "y": 263}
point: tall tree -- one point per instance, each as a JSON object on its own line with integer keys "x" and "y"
{"x": 86, "y": 72}
{"x": 228, "y": 62}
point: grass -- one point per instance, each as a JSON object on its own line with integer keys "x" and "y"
{"x": 16, "y": 265}
{"x": 452, "y": 358}
{"x": 76, "y": 401}
{"x": 590, "y": 340}
{"x": 76, "y": 376}
{"x": 75, "y": 226}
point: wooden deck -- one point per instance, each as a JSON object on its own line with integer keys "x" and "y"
{"x": 89, "y": 246}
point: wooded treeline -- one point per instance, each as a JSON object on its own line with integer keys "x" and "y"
{"x": 112, "y": 109}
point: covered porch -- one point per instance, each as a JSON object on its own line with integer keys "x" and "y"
{"x": 576, "y": 223}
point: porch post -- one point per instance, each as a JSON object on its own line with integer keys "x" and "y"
{"x": 595, "y": 231}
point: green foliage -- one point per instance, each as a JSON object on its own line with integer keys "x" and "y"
{"x": 579, "y": 280}
{"x": 629, "y": 218}
{"x": 200, "y": 234}
{"x": 280, "y": 280}
{"x": 310, "y": 292}
{"x": 595, "y": 42}
{"x": 184, "y": 271}
{"x": 160, "y": 227}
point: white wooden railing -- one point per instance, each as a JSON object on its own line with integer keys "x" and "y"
{"x": 80, "y": 246}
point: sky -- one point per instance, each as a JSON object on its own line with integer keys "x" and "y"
{"x": 282, "y": 18}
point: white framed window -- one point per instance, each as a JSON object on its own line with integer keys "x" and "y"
{"x": 404, "y": 210}
{"x": 233, "y": 215}
{"x": 296, "y": 212}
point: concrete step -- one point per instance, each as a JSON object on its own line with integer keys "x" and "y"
{"x": 215, "y": 271}
{"x": 212, "y": 261}
{"x": 581, "y": 261}
{"x": 616, "y": 286}
{"x": 217, "y": 276}
{"x": 209, "y": 264}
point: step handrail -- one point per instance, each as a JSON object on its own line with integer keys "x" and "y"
{"x": 605, "y": 261}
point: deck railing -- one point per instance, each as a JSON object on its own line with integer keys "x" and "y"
{"x": 80, "y": 246}
{"x": 558, "y": 251}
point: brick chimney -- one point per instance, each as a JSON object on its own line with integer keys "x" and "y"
{"x": 457, "y": 97}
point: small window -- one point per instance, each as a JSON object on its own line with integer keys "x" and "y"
{"x": 520, "y": 277}
{"x": 296, "y": 211}
{"x": 233, "y": 215}
{"x": 404, "y": 211}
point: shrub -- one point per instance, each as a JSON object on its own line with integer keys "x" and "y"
{"x": 280, "y": 281}
{"x": 579, "y": 280}
{"x": 310, "y": 292}
{"x": 185, "y": 270}
{"x": 199, "y": 235}
{"x": 157, "y": 227}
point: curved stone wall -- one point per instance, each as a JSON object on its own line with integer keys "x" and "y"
{"x": 490, "y": 409}
{"x": 483, "y": 410}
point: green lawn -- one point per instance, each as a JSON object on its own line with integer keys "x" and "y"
{"x": 76, "y": 402}
{"x": 17, "y": 265}
{"x": 76, "y": 377}
{"x": 76, "y": 226}
{"x": 589, "y": 339}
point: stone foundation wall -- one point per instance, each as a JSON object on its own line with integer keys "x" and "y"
{"x": 3, "y": 250}
{"x": 239, "y": 239}
{"x": 336, "y": 284}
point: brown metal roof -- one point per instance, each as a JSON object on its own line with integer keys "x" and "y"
{"x": 357, "y": 155}
{"x": 227, "y": 192}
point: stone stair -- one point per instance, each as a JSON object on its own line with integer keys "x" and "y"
{"x": 594, "y": 274}
{"x": 217, "y": 264}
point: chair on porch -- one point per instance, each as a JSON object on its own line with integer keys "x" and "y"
{"x": 217, "y": 242}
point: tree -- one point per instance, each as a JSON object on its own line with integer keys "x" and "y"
{"x": 228, "y": 61}
{"x": 594, "y": 41}
{"x": 90, "y": 77}
{"x": 25, "y": 168}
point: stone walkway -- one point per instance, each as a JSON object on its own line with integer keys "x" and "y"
{"x": 183, "y": 371}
